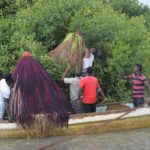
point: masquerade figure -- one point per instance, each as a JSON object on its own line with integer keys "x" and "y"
{"x": 36, "y": 98}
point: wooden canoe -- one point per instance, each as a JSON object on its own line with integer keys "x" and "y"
{"x": 123, "y": 118}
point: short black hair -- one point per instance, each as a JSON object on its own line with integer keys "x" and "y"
{"x": 77, "y": 74}
{"x": 139, "y": 66}
{"x": 8, "y": 77}
{"x": 89, "y": 70}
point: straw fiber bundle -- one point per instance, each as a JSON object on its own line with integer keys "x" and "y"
{"x": 36, "y": 99}
{"x": 71, "y": 51}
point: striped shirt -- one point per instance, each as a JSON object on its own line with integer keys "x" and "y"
{"x": 138, "y": 82}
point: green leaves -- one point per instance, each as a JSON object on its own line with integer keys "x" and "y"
{"x": 39, "y": 26}
{"x": 118, "y": 41}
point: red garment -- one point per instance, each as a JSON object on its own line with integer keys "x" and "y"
{"x": 26, "y": 54}
{"x": 89, "y": 85}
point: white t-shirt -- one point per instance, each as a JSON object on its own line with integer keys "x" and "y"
{"x": 88, "y": 62}
{"x": 74, "y": 87}
{"x": 4, "y": 90}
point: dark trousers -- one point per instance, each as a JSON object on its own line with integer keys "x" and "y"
{"x": 76, "y": 106}
{"x": 88, "y": 108}
{"x": 138, "y": 101}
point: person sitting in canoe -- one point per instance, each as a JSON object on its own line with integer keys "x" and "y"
{"x": 89, "y": 86}
{"x": 138, "y": 83}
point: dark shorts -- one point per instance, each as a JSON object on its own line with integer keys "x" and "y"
{"x": 138, "y": 101}
{"x": 88, "y": 108}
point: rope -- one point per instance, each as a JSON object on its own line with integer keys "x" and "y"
{"x": 90, "y": 129}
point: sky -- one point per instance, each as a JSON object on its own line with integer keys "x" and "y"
{"x": 147, "y": 2}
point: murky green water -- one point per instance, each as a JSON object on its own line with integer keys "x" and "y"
{"x": 126, "y": 140}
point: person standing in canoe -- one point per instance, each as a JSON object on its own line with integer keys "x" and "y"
{"x": 88, "y": 59}
{"x": 138, "y": 83}
{"x": 89, "y": 87}
{"x": 9, "y": 81}
{"x": 74, "y": 83}
{"x": 4, "y": 94}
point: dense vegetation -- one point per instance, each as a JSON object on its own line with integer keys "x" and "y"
{"x": 118, "y": 29}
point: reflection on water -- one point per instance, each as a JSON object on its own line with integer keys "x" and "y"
{"x": 127, "y": 140}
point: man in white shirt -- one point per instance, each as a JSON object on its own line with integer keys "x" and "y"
{"x": 88, "y": 59}
{"x": 74, "y": 89}
{"x": 4, "y": 95}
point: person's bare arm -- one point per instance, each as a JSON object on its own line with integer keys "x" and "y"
{"x": 147, "y": 84}
{"x": 87, "y": 54}
{"x": 125, "y": 77}
{"x": 121, "y": 76}
{"x": 65, "y": 72}
{"x": 80, "y": 93}
{"x": 99, "y": 90}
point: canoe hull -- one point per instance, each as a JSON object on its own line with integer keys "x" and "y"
{"x": 85, "y": 128}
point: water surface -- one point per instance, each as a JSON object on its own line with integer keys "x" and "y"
{"x": 125, "y": 140}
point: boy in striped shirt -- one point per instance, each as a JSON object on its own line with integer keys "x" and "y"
{"x": 138, "y": 83}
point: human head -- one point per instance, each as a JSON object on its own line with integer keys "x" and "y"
{"x": 26, "y": 54}
{"x": 89, "y": 70}
{"x": 8, "y": 78}
{"x": 137, "y": 68}
{"x": 77, "y": 74}
{"x": 92, "y": 50}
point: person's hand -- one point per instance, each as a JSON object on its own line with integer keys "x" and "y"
{"x": 104, "y": 100}
{"x": 79, "y": 100}
{"x": 62, "y": 77}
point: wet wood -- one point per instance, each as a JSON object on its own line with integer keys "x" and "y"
{"x": 116, "y": 107}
